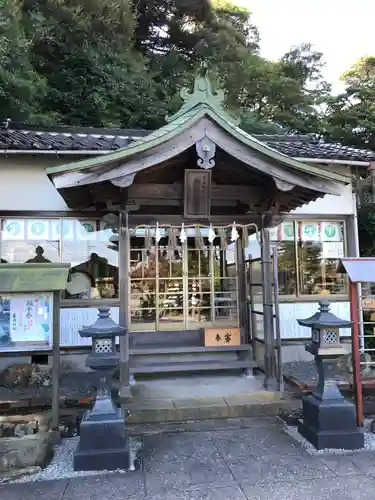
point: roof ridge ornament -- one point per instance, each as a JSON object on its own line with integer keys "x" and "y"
{"x": 202, "y": 94}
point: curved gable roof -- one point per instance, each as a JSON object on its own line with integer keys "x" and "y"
{"x": 198, "y": 105}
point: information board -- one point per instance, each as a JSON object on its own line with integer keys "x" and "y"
{"x": 25, "y": 318}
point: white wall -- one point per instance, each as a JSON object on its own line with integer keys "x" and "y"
{"x": 329, "y": 205}
{"x": 74, "y": 319}
{"x": 290, "y": 312}
{"x": 24, "y": 185}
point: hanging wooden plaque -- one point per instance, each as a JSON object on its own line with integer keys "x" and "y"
{"x": 197, "y": 194}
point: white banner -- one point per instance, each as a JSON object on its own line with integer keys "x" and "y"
{"x": 310, "y": 231}
{"x": 287, "y": 231}
{"x": 331, "y": 231}
{"x": 38, "y": 230}
{"x": 14, "y": 229}
{"x": 86, "y": 230}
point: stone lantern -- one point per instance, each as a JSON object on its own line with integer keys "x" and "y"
{"x": 103, "y": 443}
{"x": 325, "y": 332}
{"x": 103, "y": 333}
{"x": 328, "y": 420}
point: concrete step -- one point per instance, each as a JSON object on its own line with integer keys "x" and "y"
{"x": 170, "y": 349}
{"x": 262, "y": 404}
{"x": 184, "y": 357}
{"x": 190, "y": 366}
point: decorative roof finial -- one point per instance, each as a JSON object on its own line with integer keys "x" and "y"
{"x": 202, "y": 94}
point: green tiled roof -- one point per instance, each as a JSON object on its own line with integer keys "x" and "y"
{"x": 200, "y": 103}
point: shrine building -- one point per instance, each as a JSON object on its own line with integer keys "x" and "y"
{"x": 207, "y": 243}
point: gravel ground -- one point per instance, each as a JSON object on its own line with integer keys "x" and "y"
{"x": 305, "y": 372}
{"x": 74, "y": 384}
{"x": 368, "y": 435}
{"x": 61, "y": 466}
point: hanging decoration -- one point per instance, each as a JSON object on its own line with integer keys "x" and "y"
{"x": 223, "y": 239}
{"x": 182, "y": 232}
{"x": 245, "y": 237}
{"x": 199, "y": 243}
{"x": 183, "y": 235}
{"x": 148, "y": 239}
{"x": 157, "y": 233}
{"x": 234, "y": 233}
{"x": 211, "y": 234}
{"x": 172, "y": 243}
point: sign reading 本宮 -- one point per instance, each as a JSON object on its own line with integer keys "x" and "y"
{"x": 25, "y": 318}
{"x": 221, "y": 337}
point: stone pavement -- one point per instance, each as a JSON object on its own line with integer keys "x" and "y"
{"x": 228, "y": 460}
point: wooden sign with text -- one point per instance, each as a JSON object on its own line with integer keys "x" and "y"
{"x": 197, "y": 194}
{"x": 222, "y": 337}
{"x": 368, "y": 302}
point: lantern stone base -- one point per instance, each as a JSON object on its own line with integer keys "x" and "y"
{"x": 330, "y": 423}
{"x": 103, "y": 443}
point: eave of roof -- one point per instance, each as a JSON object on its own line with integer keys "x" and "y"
{"x": 183, "y": 120}
{"x": 25, "y": 139}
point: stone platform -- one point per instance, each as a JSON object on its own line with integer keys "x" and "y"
{"x": 200, "y": 398}
{"x": 239, "y": 460}
{"x": 167, "y": 399}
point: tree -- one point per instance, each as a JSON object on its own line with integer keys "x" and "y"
{"x": 21, "y": 87}
{"x": 121, "y": 63}
{"x": 350, "y": 115}
{"x": 83, "y": 49}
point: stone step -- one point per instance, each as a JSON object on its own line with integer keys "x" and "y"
{"x": 170, "y": 349}
{"x": 191, "y": 366}
{"x": 186, "y": 357}
{"x": 182, "y": 410}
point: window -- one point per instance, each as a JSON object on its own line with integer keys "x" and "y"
{"x": 284, "y": 237}
{"x": 30, "y": 240}
{"x": 87, "y": 247}
{"x": 320, "y": 246}
{"x": 308, "y": 256}
{"x": 85, "y": 244}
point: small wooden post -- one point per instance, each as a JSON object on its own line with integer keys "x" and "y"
{"x": 353, "y": 295}
{"x": 124, "y": 257}
{"x": 270, "y": 382}
{"x": 56, "y": 362}
{"x": 241, "y": 294}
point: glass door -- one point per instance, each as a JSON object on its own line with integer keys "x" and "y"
{"x": 182, "y": 285}
{"x": 170, "y": 286}
{"x": 143, "y": 286}
{"x": 199, "y": 285}
{"x": 225, "y": 286}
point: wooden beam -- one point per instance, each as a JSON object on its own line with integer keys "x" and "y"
{"x": 256, "y": 161}
{"x": 175, "y": 220}
{"x": 244, "y": 194}
{"x": 141, "y": 161}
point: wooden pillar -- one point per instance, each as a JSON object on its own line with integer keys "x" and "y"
{"x": 124, "y": 288}
{"x": 356, "y": 356}
{"x": 56, "y": 363}
{"x": 270, "y": 382}
{"x": 241, "y": 293}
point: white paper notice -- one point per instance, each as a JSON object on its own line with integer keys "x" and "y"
{"x": 332, "y": 250}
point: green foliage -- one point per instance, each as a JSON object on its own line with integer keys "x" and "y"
{"x": 83, "y": 49}
{"x": 351, "y": 114}
{"x": 366, "y": 230}
{"x": 21, "y": 87}
{"x": 121, "y": 63}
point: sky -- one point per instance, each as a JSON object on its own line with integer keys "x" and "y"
{"x": 342, "y": 29}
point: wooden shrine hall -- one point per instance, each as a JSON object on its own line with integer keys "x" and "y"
{"x": 182, "y": 202}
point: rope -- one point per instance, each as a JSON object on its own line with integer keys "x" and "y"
{"x": 195, "y": 226}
